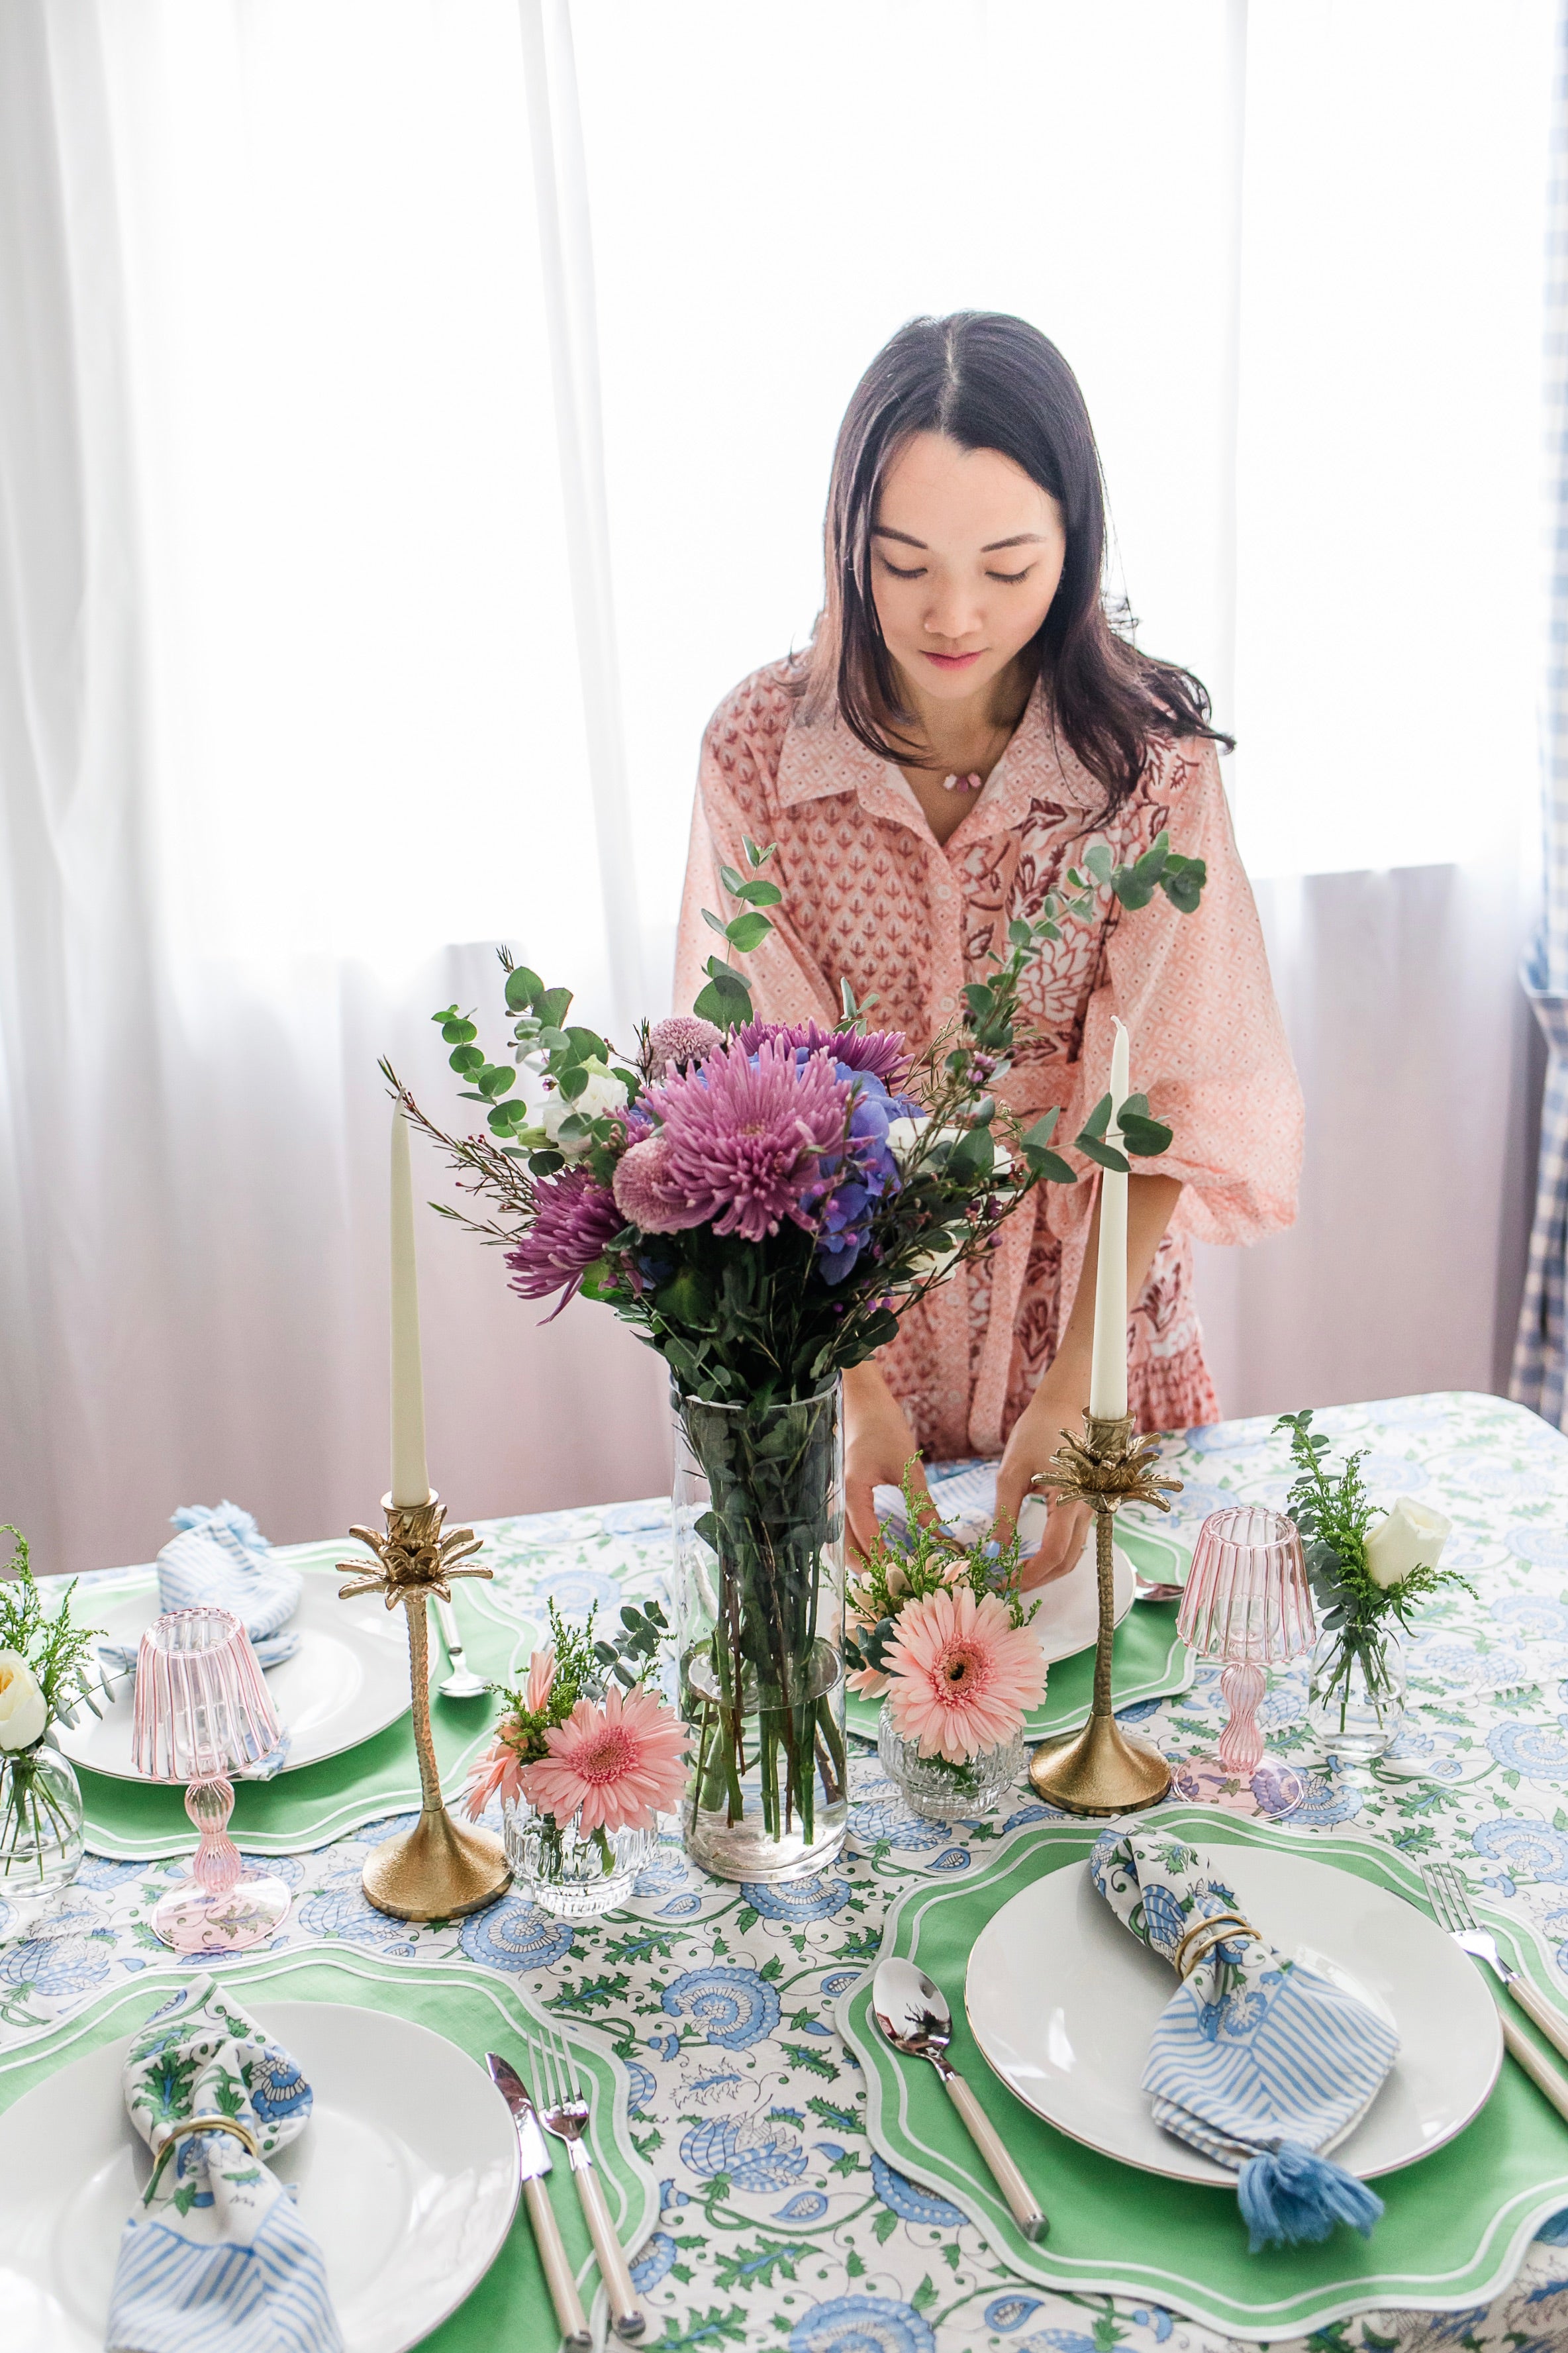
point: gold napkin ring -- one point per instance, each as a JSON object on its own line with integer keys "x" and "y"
{"x": 210, "y": 2124}
{"x": 1199, "y": 1941}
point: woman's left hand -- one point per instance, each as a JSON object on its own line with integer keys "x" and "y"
{"x": 1036, "y": 1434}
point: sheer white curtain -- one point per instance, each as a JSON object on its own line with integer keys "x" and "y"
{"x": 306, "y": 683}
{"x": 414, "y": 415}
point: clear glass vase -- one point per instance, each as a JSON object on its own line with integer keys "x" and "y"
{"x": 941, "y": 1792}
{"x": 571, "y": 1875}
{"x": 40, "y": 1821}
{"x": 1355, "y": 1696}
{"x": 759, "y": 1622}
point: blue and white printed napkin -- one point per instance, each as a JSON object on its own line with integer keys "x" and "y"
{"x": 1258, "y": 2063}
{"x": 216, "y": 2260}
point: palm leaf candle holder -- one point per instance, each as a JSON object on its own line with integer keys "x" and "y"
{"x": 440, "y": 1869}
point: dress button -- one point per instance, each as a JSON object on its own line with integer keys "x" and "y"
{"x": 945, "y": 889}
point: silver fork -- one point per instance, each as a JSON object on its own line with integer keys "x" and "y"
{"x": 564, "y": 2111}
{"x": 1451, "y": 1902}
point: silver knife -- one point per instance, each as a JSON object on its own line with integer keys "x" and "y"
{"x": 533, "y": 2165}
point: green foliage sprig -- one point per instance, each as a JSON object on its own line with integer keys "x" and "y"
{"x": 927, "y": 1559}
{"x": 55, "y": 1652}
{"x": 585, "y": 1664}
{"x": 1334, "y": 1516}
{"x": 727, "y": 999}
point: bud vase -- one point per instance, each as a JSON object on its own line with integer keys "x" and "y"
{"x": 937, "y": 1790}
{"x": 40, "y": 1821}
{"x": 1355, "y": 1696}
{"x": 569, "y": 1873}
{"x": 759, "y": 1622}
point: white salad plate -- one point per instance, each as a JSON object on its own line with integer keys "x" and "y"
{"x": 1068, "y": 1619}
{"x": 1062, "y": 2000}
{"x": 406, "y": 2174}
{"x": 348, "y": 1679}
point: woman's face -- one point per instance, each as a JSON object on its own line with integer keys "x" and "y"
{"x": 966, "y": 553}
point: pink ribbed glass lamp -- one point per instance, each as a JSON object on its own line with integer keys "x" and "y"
{"x": 1246, "y": 1601}
{"x": 203, "y": 1711}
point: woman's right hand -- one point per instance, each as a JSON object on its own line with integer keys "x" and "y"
{"x": 879, "y": 1449}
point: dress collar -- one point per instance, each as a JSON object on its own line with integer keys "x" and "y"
{"x": 820, "y": 757}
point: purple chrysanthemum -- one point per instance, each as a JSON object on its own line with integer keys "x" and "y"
{"x": 574, "y": 1221}
{"x": 645, "y": 1193}
{"x": 682, "y": 1037}
{"x": 743, "y": 1136}
{"x": 882, "y": 1052}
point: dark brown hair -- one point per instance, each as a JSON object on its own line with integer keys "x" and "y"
{"x": 991, "y": 382}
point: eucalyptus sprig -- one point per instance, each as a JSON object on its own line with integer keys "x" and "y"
{"x": 1334, "y": 1516}
{"x": 55, "y": 1650}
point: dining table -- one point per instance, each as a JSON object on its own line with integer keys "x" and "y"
{"x": 763, "y": 2215}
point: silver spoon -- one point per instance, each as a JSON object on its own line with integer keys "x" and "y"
{"x": 462, "y": 1683}
{"x": 912, "y": 2013}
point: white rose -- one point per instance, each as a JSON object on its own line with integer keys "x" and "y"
{"x": 932, "y": 1262}
{"x": 903, "y": 1135}
{"x": 22, "y": 1711}
{"x": 1410, "y": 1536}
{"x": 602, "y": 1093}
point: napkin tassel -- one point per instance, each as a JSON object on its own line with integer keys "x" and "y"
{"x": 1288, "y": 2196}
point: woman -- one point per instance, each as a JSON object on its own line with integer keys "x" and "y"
{"x": 963, "y": 724}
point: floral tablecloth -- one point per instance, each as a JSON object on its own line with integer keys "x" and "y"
{"x": 779, "y": 2226}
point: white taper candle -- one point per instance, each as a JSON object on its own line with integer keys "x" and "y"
{"x": 1107, "y": 1368}
{"x": 410, "y": 1474}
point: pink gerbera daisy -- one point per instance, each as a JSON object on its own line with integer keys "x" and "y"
{"x": 964, "y": 1676}
{"x": 618, "y": 1763}
{"x": 496, "y": 1773}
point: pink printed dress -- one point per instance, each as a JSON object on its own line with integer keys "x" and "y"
{"x": 871, "y": 897}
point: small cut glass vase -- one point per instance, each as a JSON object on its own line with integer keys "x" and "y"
{"x": 40, "y": 1822}
{"x": 569, "y": 1873}
{"x": 1355, "y": 1696}
{"x": 941, "y": 1791}
{"x": 759, "y": 1622}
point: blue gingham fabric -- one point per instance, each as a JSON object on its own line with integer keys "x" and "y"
{"x": 1258, "y": 2063}
{"x": 1540, "y": 1375}
{"x": 216, "y": 2259}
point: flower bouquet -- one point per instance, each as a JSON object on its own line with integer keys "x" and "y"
{"x": 942, "y": 1631}
{"x": 761, "y": 1201}
{"x": 1365, "y": 1571}
{"x": 585, "y": 1755}
{"x": 44, "y": 1679}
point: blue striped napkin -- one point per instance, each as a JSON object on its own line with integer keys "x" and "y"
{"x": 1259, "y": 2061}
{"x": 218, "y": 2260}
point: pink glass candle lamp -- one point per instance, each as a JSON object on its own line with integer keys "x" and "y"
{"x": 203, "y": 1711}
{"x": 1246, "y": 1601}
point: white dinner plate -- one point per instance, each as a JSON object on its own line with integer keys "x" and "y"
{"x": 348, "y": 1679}
{"x": 406, "y": 2174}
{"x": 1062, "y": 2000}
{"x": 1067, "y": 1620}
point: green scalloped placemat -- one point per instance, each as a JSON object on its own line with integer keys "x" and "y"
{"x": 1456, "y": 2224}
{"x": 467, "y": 2006}
{"x": 1148, "y": 1661}
{"x": 142, "y": 1821}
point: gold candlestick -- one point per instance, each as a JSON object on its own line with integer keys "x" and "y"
{"x": 440, "y": 1868}
{"x": 1099, "y": 1770}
